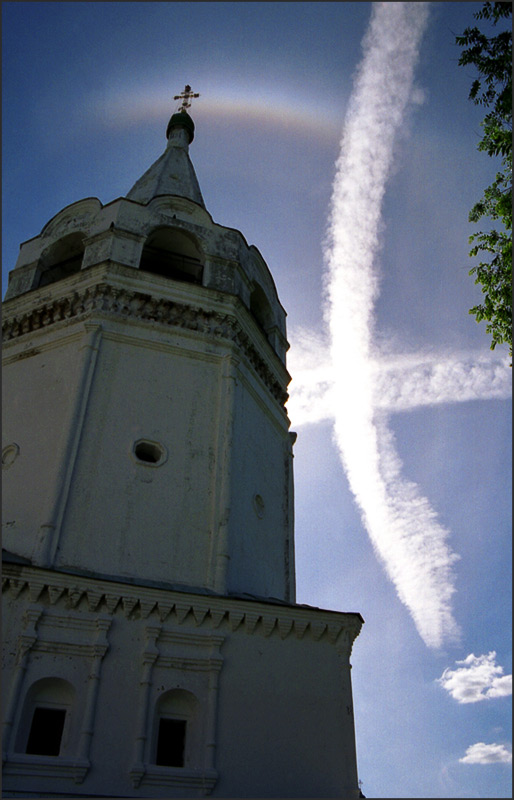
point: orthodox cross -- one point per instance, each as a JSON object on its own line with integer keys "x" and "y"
{"x": 186, "y": 96}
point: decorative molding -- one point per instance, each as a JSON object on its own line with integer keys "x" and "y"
{"x": 181, "y": 608}
{"x": 203, "y": 780}
{"x": 199, "y": 654}
{"x": 150, "y": 656}
{"x": 106, "y": 299}
{"x": 21, "y": 765}
{"x": 26, "y": 642}
{"x": 200, "y": 639}
{"x": 99, "y": 648}
{"x": 183, "y": 663}
{"x": 48, "y": 638}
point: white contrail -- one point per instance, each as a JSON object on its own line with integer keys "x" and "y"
{"x": 402, "y": 526}
{"x": 401, "y": 383}
{"x": 415, "y": 380}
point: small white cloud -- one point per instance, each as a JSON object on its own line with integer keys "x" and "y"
{"x": 479, "y": 678}
{"x": 502, "y": 687}
{"x": 481, "y": 753}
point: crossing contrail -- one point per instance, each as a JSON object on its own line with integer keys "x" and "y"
{"x": 402, "y": 525}
{"x": 401, "y": 382}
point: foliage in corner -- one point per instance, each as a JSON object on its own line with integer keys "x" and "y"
{"x": 492, "y": 56}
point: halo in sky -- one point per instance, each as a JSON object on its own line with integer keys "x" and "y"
{"x": 120, "y": 106}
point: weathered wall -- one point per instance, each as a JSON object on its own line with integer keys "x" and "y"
{"x": 261, "y": 522}
{"x": 126, "y": 516}
{"x": 40, "y": 388}
{"x": 127, "y": 358}
{"x": 271, "y": 685}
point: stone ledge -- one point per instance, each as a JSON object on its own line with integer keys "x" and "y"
{"x": 203, "y": 780}
{"x": 125, "y": 303}
{"x": 136, "y": 602}
{"x": 17, "y": 764}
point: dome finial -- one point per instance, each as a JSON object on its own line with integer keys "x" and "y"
{"x": 181, "y": 118}
{"x": 186, "y": 96}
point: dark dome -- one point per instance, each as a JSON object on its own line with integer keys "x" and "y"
{"x": 182, "y": 119}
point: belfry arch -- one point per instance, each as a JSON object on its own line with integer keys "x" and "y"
{"x": 261, "y": 308}
{"x": 61, "y": 259}
{"x": 172, "y": 253}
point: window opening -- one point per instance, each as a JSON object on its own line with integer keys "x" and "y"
{"x": 149, "y": 452}
{"x": 173, "y": 254}
{"x": 258, "y": 504}
{"x": 171, "y": 742}
{"x": 172, "y": 265}
{"x": 61, "y": 270}
{"x": 61, "y": 259}
{"x": 46, "y": 731}
{"x": 261, "y": 309}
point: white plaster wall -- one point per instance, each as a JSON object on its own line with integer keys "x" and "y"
{"x": 125, "y": 517}
{"x": 273, "y": 689}
{"x": 83, "y": 392}
{"x": 39, "y": 388}
{"x": 261, "y": 509}
{"x": 284, "y": 728}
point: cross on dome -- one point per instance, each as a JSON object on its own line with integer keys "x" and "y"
{"x": 186, "y": 96}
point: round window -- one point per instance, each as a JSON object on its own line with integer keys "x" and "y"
{"x": 9, "y": 455}
{"x": 150, "y": 453}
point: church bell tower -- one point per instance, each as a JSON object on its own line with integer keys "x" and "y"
{"x": 160, "y": 374}
{"x": 149, "y": 605}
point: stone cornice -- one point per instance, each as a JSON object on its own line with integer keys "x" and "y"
{"x": 21, "y": 765}
{"x": 139, "y": 602}
{"x": 126, "y": 303}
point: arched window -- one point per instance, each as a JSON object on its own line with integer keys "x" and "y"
{"x": 61, "y": 259}
{"x": 260, "y": 308}
{"x": 177, "y": 730}
{"x": 44, "y": 721}
{"x": 174, "y": 254}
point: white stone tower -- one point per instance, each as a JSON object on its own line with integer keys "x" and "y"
{"x": 153, "y": 647}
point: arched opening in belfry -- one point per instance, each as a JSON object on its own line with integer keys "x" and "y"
{"x": 261, "y": 308}
{"x": 61, "y": 259}
{"x": 174, "y": 254}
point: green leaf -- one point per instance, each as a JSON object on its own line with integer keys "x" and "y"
{"x": 492, "y": 88}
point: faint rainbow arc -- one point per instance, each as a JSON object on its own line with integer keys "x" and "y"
{"x": 118, "y": 109}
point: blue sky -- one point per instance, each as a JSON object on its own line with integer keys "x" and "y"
{"x": 87, "y": 93}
